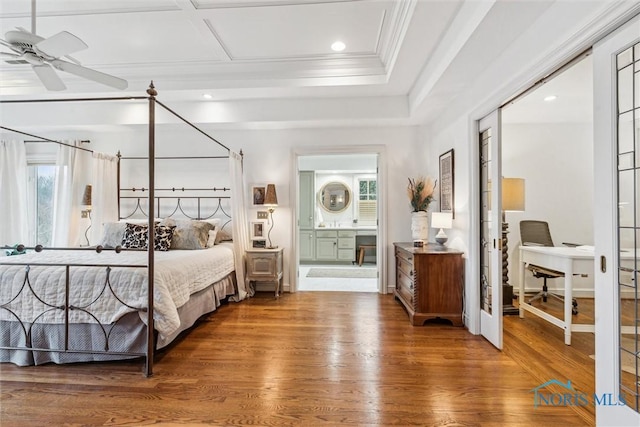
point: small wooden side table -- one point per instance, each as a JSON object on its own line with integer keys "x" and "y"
{"x": 265, "y": 265}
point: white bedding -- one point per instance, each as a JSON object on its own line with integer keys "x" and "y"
{"x": 178, "y": 274}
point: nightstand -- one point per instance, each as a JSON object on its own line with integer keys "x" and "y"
{"x": 265, "y": 265}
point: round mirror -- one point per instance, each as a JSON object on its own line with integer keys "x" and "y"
{"x": 334, "y": 196}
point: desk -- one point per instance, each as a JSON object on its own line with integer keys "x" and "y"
{"x": 568, "y": 260}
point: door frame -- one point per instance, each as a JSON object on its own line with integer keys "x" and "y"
{"x": 491, "y": 324}
{"x": 605, "y": 215}
{"x": 381, "y": 236}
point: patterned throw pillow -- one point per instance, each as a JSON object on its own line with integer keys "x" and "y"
{"x": 163, "y": 237}
{"x": 136, "y": 237}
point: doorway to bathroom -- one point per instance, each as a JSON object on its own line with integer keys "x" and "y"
{"x": 338, "y": 205}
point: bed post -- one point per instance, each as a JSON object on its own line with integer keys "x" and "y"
{"x": 151, "y": 229}
{"x": 118, "y": 183}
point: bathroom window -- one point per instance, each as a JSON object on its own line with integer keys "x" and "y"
{"x": 367, "y": 201}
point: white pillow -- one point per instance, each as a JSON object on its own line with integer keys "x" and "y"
{"x": 112, "y": 234}
{"x": 212, "y": 238}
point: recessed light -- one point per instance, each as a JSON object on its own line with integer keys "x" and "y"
{"x": 550, "y": 98}
{"x": 338, "y": 46}
{"x": 207, "y": 96}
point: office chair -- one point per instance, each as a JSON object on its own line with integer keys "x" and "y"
{"x": 536, "y": 233}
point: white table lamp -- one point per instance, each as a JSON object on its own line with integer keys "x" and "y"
{"x": 441, "y": 220}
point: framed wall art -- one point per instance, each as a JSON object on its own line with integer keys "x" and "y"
{"x": 446, "y": 180}
{"x": 258, "y": 192}
{"x": 257, "y": 230}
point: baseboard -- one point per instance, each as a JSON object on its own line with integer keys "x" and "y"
{"x": 577, "y": 293}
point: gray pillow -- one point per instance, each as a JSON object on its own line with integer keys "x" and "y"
{"x": 188, "y": 234}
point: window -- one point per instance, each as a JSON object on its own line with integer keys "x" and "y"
{"x": 40, "y": 189}
{"x": 367, "y": 201}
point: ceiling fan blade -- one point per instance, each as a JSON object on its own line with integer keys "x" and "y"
{"x": 8, "y": 55}
{"x": 88, "y": 73}
{"x": 48, "y": 77}
{"x": 60, "y": 44}
{"x": 72, "y": 59}
{"x": 10, "y": 46}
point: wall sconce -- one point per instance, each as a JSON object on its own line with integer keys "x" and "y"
{"x": 441, "y": 220}
{"x": 86, "y": 212}
{"x": 271, "y": 203}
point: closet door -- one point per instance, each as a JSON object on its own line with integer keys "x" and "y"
{"x": 490, "y": 229}
{"x": 616, "y": 62}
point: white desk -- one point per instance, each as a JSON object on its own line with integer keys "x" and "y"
{"x": 568, "y": 260}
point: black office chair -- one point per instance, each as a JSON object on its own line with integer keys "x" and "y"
{"x": 536, "y": 233}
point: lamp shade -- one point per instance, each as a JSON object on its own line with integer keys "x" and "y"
{"x": 86, "y": 197}
{"x": 270, "y": 197}
{"x": 512, "y": 194}
{"x": 441, "y": 220}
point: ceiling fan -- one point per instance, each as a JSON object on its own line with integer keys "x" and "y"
{"x": 44, "y": 55}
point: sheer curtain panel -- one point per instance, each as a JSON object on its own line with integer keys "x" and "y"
{"x": 104, "y": 194}
{"x": 13, "y": 193}
{"x": 72, "y": 174}
{"x": 239, "y": 224}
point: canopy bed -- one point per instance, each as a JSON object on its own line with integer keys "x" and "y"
{"x": 164, "y": 262}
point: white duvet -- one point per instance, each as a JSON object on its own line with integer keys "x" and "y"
{"x": 178, "y": 274}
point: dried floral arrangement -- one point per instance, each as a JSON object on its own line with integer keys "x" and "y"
{"x": 420, "y": 191}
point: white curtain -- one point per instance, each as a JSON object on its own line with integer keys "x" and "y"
{"x": 72, "y": 175}
{"x": 13, "y": 193}
{"x": 239, "y": 223}
{"x": 104, "y": 194}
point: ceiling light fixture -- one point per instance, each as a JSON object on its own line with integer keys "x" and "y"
{"x": 550, "y": 98}
{"x": 338, "y": 46}
{"x": 207, "y": 96}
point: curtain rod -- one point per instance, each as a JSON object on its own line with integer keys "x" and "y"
{"x": 43, "y": 139}
{"x": 174, "y": 157}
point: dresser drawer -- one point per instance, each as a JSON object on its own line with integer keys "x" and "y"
{"x": 404, "y": 266}
{"x": 406, "y": 256}
{"x": 346, "y": 243}
{"x": 346, "y": 255}
{"x": 326, "y": 233}
{"x": 404, "y": 282}
{"x": 346, "y": 233}
{"x": 405, "y": 292}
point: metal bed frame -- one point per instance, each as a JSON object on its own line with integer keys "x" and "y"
{"x": 152, "y": 208}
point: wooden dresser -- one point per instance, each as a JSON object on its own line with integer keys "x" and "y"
{"x": 429, "y": 282}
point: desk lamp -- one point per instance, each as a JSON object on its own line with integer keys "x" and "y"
{"x": 271, "y": 203}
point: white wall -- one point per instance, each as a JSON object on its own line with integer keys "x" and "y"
{"x": 556, "y": 162}
{"x": 268, "y": 158}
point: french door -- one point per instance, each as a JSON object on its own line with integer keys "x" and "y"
{"x": 617, "y": 217}
{"x": 490, "y": 228}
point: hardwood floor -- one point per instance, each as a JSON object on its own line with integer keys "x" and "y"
{"x": 307, "y": 359}
{"x": 539, "y": 348}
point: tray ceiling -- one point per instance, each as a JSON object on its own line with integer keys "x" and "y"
{"x": 403, "y": 58}
{"x": 228, "y": 44}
